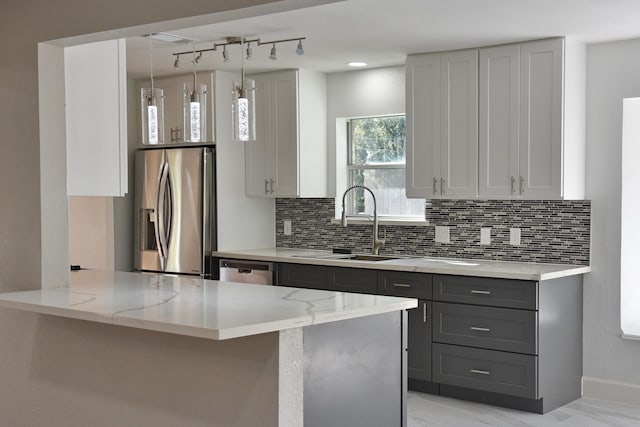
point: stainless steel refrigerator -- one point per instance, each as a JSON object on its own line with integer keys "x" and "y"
{"x": 175, "y": 210}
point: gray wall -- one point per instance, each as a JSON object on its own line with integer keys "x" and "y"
{"x": 61, "y": 372}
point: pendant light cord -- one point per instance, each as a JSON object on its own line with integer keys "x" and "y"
{"x": 151, "y": 61}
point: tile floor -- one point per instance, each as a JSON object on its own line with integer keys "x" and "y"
{"x": 437, "y": 411}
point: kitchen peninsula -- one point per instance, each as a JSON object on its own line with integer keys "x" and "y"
{"x": 295, "y": 356}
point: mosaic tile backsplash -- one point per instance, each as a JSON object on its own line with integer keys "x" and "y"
{"x": 552, "y": 231}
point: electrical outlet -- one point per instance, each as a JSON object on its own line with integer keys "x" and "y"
{"x": 442, "y": 234}
{"x": 485, "y": 235}
{"x": 287, "y": 227}
{"x": 514, "y": 236}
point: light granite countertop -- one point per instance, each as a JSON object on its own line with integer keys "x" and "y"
{"x": 196, "y": 307}
{"x": 462, "y": 267}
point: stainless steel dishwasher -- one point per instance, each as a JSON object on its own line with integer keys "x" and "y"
{"x": 257, "y": 272}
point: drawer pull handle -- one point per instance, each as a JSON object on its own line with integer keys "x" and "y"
{"x": 401, "y": 285}
{"x": 478, "y": 371}
{"x": 478, "y": 328}
{"x": 477, "y": 292}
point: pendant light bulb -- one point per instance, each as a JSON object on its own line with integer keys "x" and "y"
{"x": 300, "y": 49}
{"x": 272, "y": 55}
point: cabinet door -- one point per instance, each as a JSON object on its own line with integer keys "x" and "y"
{"x": 459, "y": 124}
{"x": 541, "y": 71}
{"x": 284, "y": 132}
{"x": 172, "y": 111}
{"x": 499, "y": 115}
{"x": 358, "y": 280}
{"x": 258, "y": 153}
{"x": 419, "y": 342}
{"x": 96, "y": 118}
{"x": 303, "y": 276}
{"x": 423, "y": 125}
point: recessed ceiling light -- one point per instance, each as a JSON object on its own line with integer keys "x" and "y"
{"x": 169, "y": 38}
{"x": 357, "y": 64}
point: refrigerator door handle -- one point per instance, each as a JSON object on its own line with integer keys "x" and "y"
{"x": 161, "y": 237}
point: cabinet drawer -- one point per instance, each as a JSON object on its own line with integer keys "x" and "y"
{"x": 486, "y": 291}
{"x": 352, "y": 280}
{"x": 489, "y": 370}
{"x": 302, "y": 276}
{"x": 402, "y": 284}
{"x": 486, "y": 327}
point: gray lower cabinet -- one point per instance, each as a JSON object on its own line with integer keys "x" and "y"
{"x": 495, "y": 371}
{"x": 514, "y": 343}
{"x": 302, "y": 276}
{"x": 419, "y": 342}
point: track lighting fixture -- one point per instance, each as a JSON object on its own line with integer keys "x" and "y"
{"x": 176, "y": 63}
{"x": 247, "y": 52}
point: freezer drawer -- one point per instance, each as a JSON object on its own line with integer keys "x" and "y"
{"x": 256, "y": 272}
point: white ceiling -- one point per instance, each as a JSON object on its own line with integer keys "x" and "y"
{"x": 383, "y": 32}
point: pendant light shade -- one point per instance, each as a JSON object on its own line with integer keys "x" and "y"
{"x": 243, "y": 111}
{"x": 195, "y": 114}
{"x": 152, "y": 116}
{"x": 152, "y": 108}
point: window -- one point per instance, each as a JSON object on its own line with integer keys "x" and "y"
{"x": 629, "y": 226}
{"x": 376, "y": 159}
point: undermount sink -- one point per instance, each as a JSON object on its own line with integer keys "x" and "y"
{"x": 363, "y": 257}
{"x": 351, "y": 257}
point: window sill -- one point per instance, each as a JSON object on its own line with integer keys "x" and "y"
{"x": 384, "y": 221}
{"x": 630, "y": 337}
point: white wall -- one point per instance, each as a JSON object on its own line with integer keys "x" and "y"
{"x": 243, "y": 222}
{"x": 610, "y": 363}
{"x": 362, "y": 93}
{"x": 63, "y": 372}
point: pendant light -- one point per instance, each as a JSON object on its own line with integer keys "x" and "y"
{"x": 243, "y": 105}
{"x": 195, "y": 106}
{"x": 152, "y": 107}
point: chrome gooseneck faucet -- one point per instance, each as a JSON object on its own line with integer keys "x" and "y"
{"x": 377, "y": 243}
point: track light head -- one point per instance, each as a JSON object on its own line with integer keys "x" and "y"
{"x": 225, "y": 54}
{"x": 176, "y": 63}
{"x": 198, "y": 58}
{"x": 249, "y": 51}
{"x": 272, "y": 55}
{"x": 300, "y": 49}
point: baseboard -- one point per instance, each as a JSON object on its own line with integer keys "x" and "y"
{"x": 597, "y": 388}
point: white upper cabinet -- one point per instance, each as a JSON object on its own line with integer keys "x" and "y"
{"x": 173, "y": 92}
{"x": 442, "y": 125}
{"x": 96, "y": 112}
{"x": 289, "y": 156}
{"x": 499, "y": 120}
{"x": 521, "y": 120}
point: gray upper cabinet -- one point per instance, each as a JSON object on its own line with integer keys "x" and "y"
{"x": 442, "y": 124}
{"x": 520, "y": 143}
